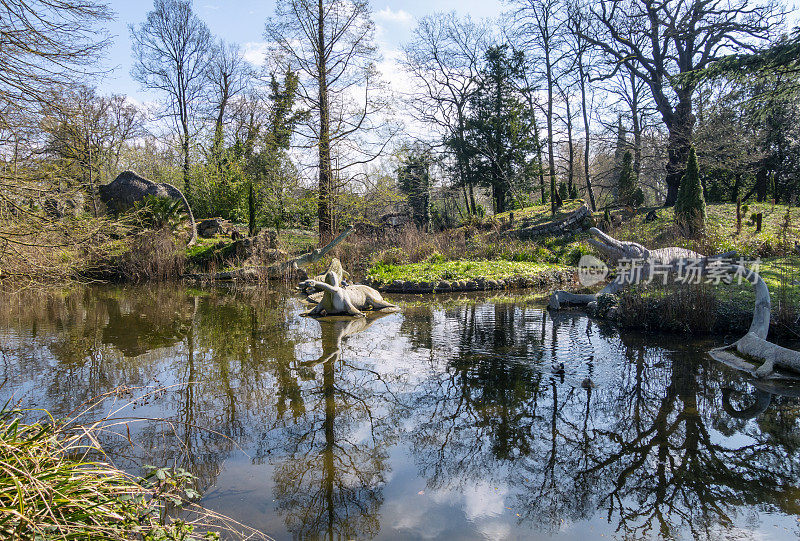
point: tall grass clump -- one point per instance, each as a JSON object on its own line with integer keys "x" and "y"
{"x": 55, "y": 485}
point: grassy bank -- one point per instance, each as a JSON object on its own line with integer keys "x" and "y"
{"x": 436, "y": 270}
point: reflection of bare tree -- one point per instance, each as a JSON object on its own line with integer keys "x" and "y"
{"x": 330, "y": 462}
{"x": 641, "y": 449}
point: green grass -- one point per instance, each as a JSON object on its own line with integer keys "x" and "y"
{"x": 433, "y": 271}
{"x": 538, "y": 214}
{"x": 721, "y": 233}
{"x": 782, "y": 276}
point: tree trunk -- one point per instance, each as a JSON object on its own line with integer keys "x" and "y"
{"x": 571, "y": 147}
{"x": 762, "y": 183}
{"x": 217, "y": 143}
{"x": 554, "y": 199}
{"x": 586, "y": 148}
{"x": 187, "y": 185}
{"x": 325, "y": 203}
{"x": 251, "y": 209}
{"x": 637, "y": 127}
{"x": 538, "y": 143}
{"x": 680, "y": 137}
{"x": 472, "y": 199}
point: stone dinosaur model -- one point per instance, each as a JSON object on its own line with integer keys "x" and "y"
{"x": 351, "y": 300}
{"x": 335, "y": 266}
{"x": 615, "y": 250}
{"x": 130, "y": 188}
{"x": 753, "y": 347}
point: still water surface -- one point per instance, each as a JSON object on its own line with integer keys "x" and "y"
{"x": 461, "y": 418}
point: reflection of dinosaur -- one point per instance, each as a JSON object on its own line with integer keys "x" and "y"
{"x": 130, "y": 188}
{"x": 334, "y": 330}
{"x": 762, "y": 396}
{"x": 762, "y": 400}
{"x": 751, "y": 347}
{"x": 350, "y": 300}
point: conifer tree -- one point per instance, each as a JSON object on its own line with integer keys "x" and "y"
{"x": 690, "y": 207}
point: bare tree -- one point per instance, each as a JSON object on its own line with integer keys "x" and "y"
{"x": 443, "y": 57}
{"x": 660, "y": 40}
{"x": 45, "y": 44}
{"x": 87, "y": 132}
{"x": 581, "y": 61}
{"x": 172, "y": 49}
{"x": 329, "y": 44}
{"x": 228, "y": 76}
{"x": 541, "y": 24}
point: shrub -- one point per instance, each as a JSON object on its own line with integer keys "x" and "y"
{"x": 563, "y": 191}
{"x": 637, "y": 200}
{"x": 575, "y": 254}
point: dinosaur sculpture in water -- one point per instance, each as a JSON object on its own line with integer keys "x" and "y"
{"x": 753, "y": 347}
{"x": 130, "y": 188}
{"x": 351, "y": 300}
{"x": 614, "y": 251}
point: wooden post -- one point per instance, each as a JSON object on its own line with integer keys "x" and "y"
{"x": 738, "y": 216}
{"x": 759, "y": 218}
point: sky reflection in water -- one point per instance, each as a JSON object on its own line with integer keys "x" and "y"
{"x": 470, "y": 418}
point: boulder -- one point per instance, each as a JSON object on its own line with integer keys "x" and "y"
{"x": 211, "y": 227}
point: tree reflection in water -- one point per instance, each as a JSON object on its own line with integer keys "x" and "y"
{"x": 641, "y": 448}
{"x": 331, "y": 461}
{"x": 579, "y": 423}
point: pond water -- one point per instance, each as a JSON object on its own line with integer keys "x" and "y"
{"x": 459, "y": 418}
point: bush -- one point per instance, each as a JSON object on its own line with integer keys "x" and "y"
{"x": 563, "y": 191}
{"x": 574, "y": 256}
{"x": 637, "y": 200}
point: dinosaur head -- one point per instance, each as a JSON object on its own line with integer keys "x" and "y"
{"x": 614, "y": 249}
{"x": 332, "y": 279}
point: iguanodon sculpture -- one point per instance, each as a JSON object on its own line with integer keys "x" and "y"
{"x": 753, "y": 347}
{"x": 130, "y": 188}
{"x": 351, "y": 300}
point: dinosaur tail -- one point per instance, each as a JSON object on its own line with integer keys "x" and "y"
{"x": 193, "y": 239}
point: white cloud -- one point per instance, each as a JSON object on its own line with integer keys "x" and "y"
{"x": 388, "y": 15}
{"x": 255, "y": 52}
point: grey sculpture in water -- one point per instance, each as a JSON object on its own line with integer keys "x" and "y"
{"x": 751, "y": 348}
{"x": 129, "y": 188}
{"x": 352, "y": 300}
{"x": 614, "y": 250}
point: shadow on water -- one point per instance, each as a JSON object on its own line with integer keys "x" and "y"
{"x": 468, "y": 418}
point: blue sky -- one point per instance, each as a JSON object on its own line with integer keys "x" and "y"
{"x": 242, "y": 22}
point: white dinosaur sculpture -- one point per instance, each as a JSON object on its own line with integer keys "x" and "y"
{"x": 753, "y": 347}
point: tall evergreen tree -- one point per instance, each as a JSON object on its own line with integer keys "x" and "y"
{"x": 501, "y": 128}
{"x": 414, "y": 180}
{"x": 690, "y": 207}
